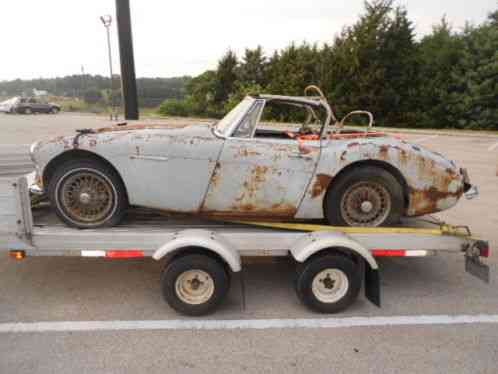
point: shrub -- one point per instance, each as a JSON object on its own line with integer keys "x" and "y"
{"x": 175, "y": 107}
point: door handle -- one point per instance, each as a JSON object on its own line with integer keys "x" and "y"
{"x": 146, "y": 157}
{"x": 299, "y": 155}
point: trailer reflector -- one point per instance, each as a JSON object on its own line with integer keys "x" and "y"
{"x": 17, "y": 255}
{"x": 398, "y": 253}
{"x": 114, "y": 253}
{"x": 92, "y": 253}
{"x": 129, "y": 253}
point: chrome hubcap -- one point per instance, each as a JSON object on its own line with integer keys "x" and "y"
{"x": 85, "y": 198}
{"x": 366, "y": 204}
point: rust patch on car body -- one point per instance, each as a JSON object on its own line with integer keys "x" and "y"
{"x": 354, "y": 134}
{"x": 246, "y": 152}
{"x": 320, "y": 185}
{"x": 432, "y": 200}
{"x": 384, "y": 152}
{"x": 215, "y": 178}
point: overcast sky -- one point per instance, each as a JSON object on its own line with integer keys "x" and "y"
{"x": 57, "y": 37}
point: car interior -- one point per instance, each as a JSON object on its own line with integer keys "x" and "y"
{"x": 286, "y": 115}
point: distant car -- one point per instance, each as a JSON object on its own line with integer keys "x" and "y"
{"x": 29, "y": 105}
{"x": 244, "y": 166}
{"x": 8, "y": 105}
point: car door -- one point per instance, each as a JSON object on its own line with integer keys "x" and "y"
{"x": 260, "y": 177}
{"x": 170, "y": 168}
{"x": 35, "y": 105}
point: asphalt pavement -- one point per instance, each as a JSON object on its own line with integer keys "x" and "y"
{"x": 440, "y": 306}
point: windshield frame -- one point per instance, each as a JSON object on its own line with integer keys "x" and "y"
{"x": 227, "y": 125}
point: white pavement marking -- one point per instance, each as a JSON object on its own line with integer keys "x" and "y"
{"x": 257, "y": 324}
{"x": 492, "y": 147}
{"x": 425, "y": 138}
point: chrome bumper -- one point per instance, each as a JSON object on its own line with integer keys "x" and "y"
{"x": 36, "y": 190}
{"x": 470, "y": 191}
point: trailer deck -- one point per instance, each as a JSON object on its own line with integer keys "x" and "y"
{"x": 36, "y": 231}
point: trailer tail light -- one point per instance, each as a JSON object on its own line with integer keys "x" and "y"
{"x": 388, "y": 252}
{"x": 114, "y": 253}
{"x": 399, "y": 253}
{"x": 484, "y": 249}
{"x": 17, "y": 255}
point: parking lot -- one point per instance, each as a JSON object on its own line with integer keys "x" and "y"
{"x": 425, "y": 298}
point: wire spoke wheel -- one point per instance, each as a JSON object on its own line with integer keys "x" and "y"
{"x": 366, "y": 203}
{"x": 87, "y": 197}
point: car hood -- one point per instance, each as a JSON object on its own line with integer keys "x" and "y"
{"x": 120, "y": 136}
{"x": 149, "y": 126}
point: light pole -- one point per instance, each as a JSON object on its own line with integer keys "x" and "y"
{"x": 107, "y": 20}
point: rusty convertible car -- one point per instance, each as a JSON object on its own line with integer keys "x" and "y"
{"x": 245, "y": 167}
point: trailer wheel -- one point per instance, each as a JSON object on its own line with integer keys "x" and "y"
{"x": 194, "y": 284}
{"x": 328, "y": 284}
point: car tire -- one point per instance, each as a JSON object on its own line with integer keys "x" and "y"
{"x": 366, "y": 196}
{"x": 87, "y": 194}
{"x": 27, "y": 111}
{"x": 54, "y": 110}
{"x": 194, "y": 299}
{"x": 328, "y": 283}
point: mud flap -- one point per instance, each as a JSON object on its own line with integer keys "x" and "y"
{"x": 372, "y": 285}
{"x": 475, "y": 267}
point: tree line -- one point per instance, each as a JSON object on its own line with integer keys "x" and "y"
{"x": 447, "y": 79}
{"x": 95, "y": 88}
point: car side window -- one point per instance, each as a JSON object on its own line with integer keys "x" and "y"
{"x": 290, "y": 120}
{"x": 32, "y": 101}
{"x": 247, "y": 126}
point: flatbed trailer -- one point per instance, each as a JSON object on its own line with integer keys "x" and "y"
{"x": 201, "y": 256}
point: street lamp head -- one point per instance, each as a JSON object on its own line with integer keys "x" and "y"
{"x": 106, "y": 20}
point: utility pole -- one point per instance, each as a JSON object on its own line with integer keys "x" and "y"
{"x": 128, "y": 79}
{"x": 107, "y": 20}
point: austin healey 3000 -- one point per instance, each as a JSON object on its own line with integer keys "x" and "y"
{"x": 247, "y": 167}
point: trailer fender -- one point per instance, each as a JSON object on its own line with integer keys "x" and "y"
{"x": 314, "y": 242}
{"x": 204, "y": 239}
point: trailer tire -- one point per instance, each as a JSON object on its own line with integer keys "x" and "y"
{"x": 328, "y": 283}
{"x": 194, "y": 284}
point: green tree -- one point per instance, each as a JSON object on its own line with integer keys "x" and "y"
{"x": 375, "y": 65}
{"x": 475, "y": 104}
{"x": 225, "y": 77}
{"x": 441, "y": 55}
{"x": 200, "y": 92}
{"x": 253, "y": 68}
